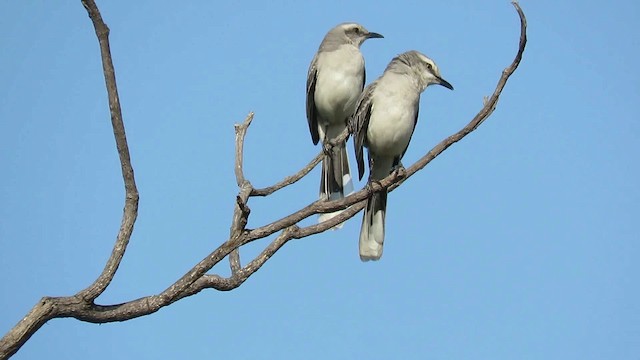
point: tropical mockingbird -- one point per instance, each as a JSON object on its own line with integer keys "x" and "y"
{"x": 335, "y": 81}
{"x": 386, "y": 115}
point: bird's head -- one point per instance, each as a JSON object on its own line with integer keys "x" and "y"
{"x": 354, "y": 33}
{"x": 422, "y": 68}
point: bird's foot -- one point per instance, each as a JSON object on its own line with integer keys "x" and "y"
{"x": 400, "y": 171}
{"x": 326, "y": 148}
{"x": 370, "y": 183}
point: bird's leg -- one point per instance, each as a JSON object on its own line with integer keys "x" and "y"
{"x": 371, "y": 181}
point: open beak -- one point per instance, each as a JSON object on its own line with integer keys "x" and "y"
{"x": 445, "y": 83}
{"x": 373, "y": 35}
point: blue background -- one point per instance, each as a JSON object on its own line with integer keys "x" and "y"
{"x": 521, "y": 241}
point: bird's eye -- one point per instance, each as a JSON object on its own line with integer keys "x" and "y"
{"x": 356, "y": 30}
{"x": 429, "y": 66}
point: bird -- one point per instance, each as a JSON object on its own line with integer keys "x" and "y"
{"x": 335, "y": 80}
{"x": 384, "y": 120}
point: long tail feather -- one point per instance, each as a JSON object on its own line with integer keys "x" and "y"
{"x": 372, "y": 229}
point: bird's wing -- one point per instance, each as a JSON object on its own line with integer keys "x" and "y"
{"x": 312, "y": 114}
{"x": 415, "y": 123}
{"x": 364, "y": 77}
{"x": 360, "y": 123}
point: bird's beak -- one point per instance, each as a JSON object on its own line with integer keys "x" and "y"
{"x": 445, "y": 83}
{"x": 373, "y": 35}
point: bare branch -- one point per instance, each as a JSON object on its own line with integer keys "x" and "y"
{"x": 241, "y": 210}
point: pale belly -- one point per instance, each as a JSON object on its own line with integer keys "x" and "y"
{"x": 390, "y": 128}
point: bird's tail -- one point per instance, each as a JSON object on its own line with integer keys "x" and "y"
{"x": 336, "y": 181}
{"x": 372, "y": 229}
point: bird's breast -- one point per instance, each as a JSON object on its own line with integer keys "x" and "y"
{"x": 339, "y": 83}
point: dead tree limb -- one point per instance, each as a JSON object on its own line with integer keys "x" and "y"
{"x": 82, "y": 305}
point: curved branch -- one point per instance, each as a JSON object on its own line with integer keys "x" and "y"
{"x": 46, "y": 309}
{"x": 131, "y": 192}
{"x": 488, "y": 108}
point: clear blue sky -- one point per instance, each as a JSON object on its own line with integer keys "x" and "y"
{"x": 520, "y": 242}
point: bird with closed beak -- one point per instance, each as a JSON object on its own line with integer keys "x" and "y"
{"x": 385, "y": 117}
{"x": 335, "y": 80}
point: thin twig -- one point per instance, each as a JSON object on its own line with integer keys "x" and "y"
{"x": 289, "y": 180}
{"x": 292, "y": 179}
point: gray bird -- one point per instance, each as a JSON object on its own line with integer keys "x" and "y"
{"x": 335, "y": 81}
{"x": 385, "y": 117}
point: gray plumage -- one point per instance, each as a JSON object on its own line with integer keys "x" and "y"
{"x": 335, "y": 80}
{"x": 385, "y": 118}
